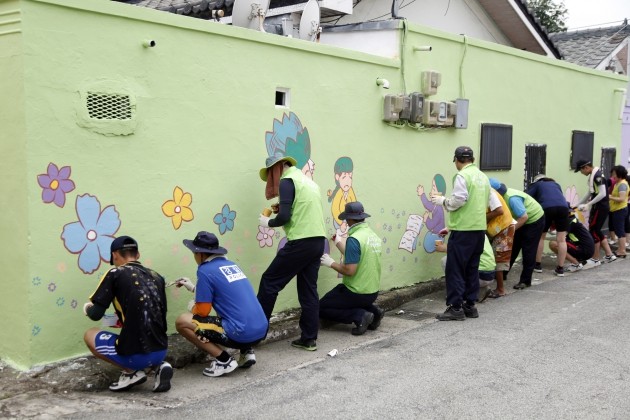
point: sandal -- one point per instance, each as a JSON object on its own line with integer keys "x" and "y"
{"x": 494, "y": 295}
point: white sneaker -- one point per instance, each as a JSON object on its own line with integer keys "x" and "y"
{"x": 217, "y": 368}
{"x": 127, "y": 380}
{"x": 163, "y": 376}
{"x": 591, "y": 263}
{"x": 247, "y": 359}
{"x": 610, "y": 258}
{"x": 612, "y": 241}
{"x": 572, "y": 268}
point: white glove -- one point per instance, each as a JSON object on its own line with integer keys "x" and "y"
{"x": 263, "y": 220}
{"x": 86, "y": 307}
{"x": 584, "y": 207}
{"x": 338, "y": 236}
{"x": 327, "y": 260}
{"x": 191, "y": 303}
{"x": 438, "y": 200}
{"x": 185, "y": 281}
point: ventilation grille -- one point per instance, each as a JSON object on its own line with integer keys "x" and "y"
{"x": 109, "y": 106}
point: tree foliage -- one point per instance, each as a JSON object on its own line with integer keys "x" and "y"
{"x": 551, "y": 14}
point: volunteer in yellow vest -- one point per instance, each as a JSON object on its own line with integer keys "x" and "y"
{"x": 301, "y": 215}
{"x": 619, "y": 207}
{"x": 466, "y": 208}
{"x": 530, "y": 222}
{"x": 352, "y": 301}
{"x": 501, "y": 228}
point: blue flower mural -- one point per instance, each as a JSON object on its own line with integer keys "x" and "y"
{"x": 92, "y": 235}
{"x": 225, "y": 219}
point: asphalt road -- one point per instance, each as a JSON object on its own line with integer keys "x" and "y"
{"x": 559, "y": 349}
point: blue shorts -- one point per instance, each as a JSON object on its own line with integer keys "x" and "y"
{"x": 105, "y": 344}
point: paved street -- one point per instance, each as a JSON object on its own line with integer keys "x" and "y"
{"x": 557, "y": 350}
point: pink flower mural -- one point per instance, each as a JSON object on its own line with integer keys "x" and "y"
{"x": 55, "y": 183}
{"x": 265, "y": 236}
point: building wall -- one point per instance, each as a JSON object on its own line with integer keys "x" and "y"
{"x": 198, "y": 117}
{"x": 16, "y": 307}
{"x": 453, "y": 16}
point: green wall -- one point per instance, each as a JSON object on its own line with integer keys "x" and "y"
{"x": 201, "y": 104}
{"x": 16, "y": 309}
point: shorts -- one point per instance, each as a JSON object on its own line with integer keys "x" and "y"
{"x": 486, "y": 275}
{"x": 211, "y": 329}
{"x": 558, "y": 216}
{"x": 502, "y": 247}
{"x": 105, "y": 345}
{"x": 618, "y": 221}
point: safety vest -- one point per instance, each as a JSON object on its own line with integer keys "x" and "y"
{"x": 307, "y": 214}
{"x": 367, "y": 278}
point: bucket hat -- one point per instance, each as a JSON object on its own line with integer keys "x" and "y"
{"x": 272, "y": 160}
{"x": 353, "y": 211}
{"x": 206, "y": 243}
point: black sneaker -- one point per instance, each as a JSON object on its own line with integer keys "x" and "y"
{"x": 559, "y": 271}
{"x": 538, "y": 267}
{"x": 470, "y": 311}
{"x": 163, "y": 376}
{"x": 308, "y": 345}
{"x": 521, "y": 286}
{"x": 452, "y": 314}
{"x": 362, "y": 327}
{"x": 377, "y": 319}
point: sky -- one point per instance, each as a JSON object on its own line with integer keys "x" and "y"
{"x": 595, "y": 12}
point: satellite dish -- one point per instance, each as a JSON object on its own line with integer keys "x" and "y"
{"x": 309, "y": 23}
{"x": 250, "y": 13}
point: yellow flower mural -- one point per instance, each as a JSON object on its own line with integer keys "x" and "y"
{"x": 178, "y": 208}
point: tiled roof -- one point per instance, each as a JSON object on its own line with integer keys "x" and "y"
{"x": 589, "y": 47}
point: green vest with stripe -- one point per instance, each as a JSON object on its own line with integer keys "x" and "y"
{"x": 367, "y": 278}
{"x": 532, "y": 208}
{"x": 307, "y": 214}
{"x": 472, "y": 215}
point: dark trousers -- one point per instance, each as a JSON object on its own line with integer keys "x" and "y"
{"x": 462, "y": 266}
{"x": 526, "y": 238}
{"x": 344, "y": 306}
{"x": 302, "y": 258}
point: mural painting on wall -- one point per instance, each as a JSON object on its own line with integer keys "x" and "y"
{"x": 178, "y": 209}
{"x": 573, "y": 199}
{"x": 55, "y": 183}
{"x": 225, "y": 219}
{"x": 432, "y": 219}
{"x": 287, "y": 138}
{"x": 341, "y": 195}
{"x": 92, "y": 234}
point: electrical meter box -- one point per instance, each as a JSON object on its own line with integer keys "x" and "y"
{"x": 392, "y": 106}
{"x": 417, "y": 102}
{"x": 406, "y": 111}
{"x": 431, "y": 80}
{"x": 438, "y": 113}
{"x": 461, "y": 113}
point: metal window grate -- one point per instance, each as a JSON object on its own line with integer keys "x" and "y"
{"x": 609, "y": 155}
{"x": 535, "y": 162}
{"x": 496, "y": 147}
{"x": 103, "y": 106}
{"x": 581, "y": 146}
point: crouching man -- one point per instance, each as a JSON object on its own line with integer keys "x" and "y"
{"x": 137, "y": 294}
{"x": 221, "y": 285}
{"x": 353, "y": 299}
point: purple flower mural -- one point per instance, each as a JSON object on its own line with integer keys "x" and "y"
{"x": 92, "y": 235}
{"x": 225, "y": 219}
{"x": 55, "y": 184}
